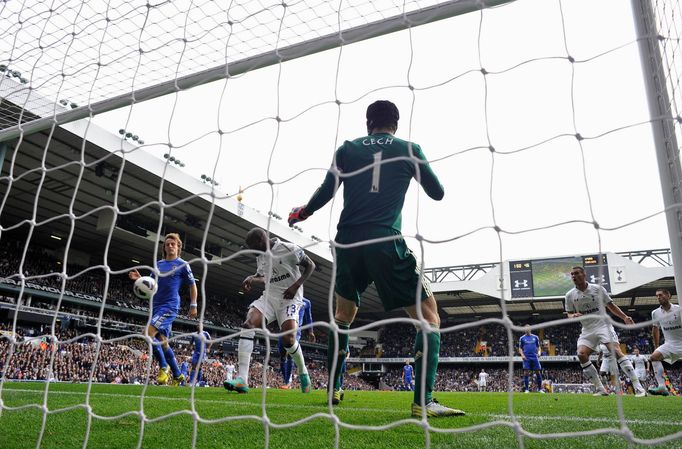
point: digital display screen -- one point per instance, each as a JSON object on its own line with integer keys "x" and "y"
{"x": 552, "y": 277}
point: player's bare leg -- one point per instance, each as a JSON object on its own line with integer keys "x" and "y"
{"x": 294, "y": 349}
{"x": 590, "y": 371}
{"x": 426, "y": 350}
{"x": 254, "y": 320}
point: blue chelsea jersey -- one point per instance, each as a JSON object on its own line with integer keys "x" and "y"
{"x": 174, "y": 274}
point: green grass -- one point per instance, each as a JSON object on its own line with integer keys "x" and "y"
{"x": 301, "y": 421}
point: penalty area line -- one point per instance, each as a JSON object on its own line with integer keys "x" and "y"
{"x": 228, "y": 400}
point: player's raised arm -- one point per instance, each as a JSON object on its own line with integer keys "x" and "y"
{"x": 322, "y": 195}
{"x": 134, "y": 275}
{"x": 427, "y": 178}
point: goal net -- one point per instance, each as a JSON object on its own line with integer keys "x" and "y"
{"x": 123, "y": 121}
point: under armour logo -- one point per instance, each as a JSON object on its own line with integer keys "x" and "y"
{"x": 523, "y": 283}
{"x": 595, "y": 279}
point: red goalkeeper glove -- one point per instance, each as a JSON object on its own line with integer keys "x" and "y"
{"x": 297, "y": 214}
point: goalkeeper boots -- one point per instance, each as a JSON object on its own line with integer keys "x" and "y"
{"x": 164, "y": 376}
{"x": 434, "y": 409}
{"x": 662, "y": 391}
{"x": 337, "y": 396}
{"x": 305, "y": 383}
{"x": 237, "y": 385}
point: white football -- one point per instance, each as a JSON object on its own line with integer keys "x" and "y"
{"x": 145, "y": 287}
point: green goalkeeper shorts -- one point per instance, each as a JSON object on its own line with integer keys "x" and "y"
{"x": 389, "y": 264}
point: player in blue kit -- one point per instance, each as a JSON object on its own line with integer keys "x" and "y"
{"x": 201, "y": 347}
{"x": 174, "y": 273}
{"x": 529, "y": 348}
{"x": 408, "y": 375}
{"x": 305, "y": 317}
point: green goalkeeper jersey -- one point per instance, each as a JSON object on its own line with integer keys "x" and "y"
{"x": 374, "y": 192}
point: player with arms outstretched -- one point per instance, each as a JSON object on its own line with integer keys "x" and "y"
{"x": 278, "y": 269}
{"x": 286, "y": 363}
{"x": 584, "y": 301}
{"x": 175, "y": 273}
{"x": 668, "y": 317}
{"x": 529, "y": 349}
{"x": 376, "y": 171}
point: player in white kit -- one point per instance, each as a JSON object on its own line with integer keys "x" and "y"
{"x": 667, "y": 318}
{"x": 584, "y": 300}
{"x": 482, "y": 380}
{"x": 641, "y": 365}
{"x": 229, "y": 370}
{"x": 278, "y": 270}
{"x": 606, "y": 368}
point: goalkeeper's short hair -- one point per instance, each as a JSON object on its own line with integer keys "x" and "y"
{"x": 381, "y": 114}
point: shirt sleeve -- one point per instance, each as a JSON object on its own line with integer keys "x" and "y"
{"x": 427, "y": 178}
{"x": 329, "y": 186}
{"x": 605, "y": 295}
{"x": 188, "y": 275}
{"x": 653, "y": 318}
{"x": 568, "y": 306}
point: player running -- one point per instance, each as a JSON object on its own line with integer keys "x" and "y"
{"x": 200, "y": 340}
{"x": 529, "y": 349}
{"x": 584, "y": 301}
{"x": 408, "y": 374}
{"x": 174, "y": 273}
{"x": 376, "y": 171}
{"x": 278, "y": 270}
{"x": 667, "y": 317}
{"x": 286, "y": 363}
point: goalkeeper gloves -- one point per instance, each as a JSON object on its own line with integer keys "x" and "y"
{"x": 297, "y": 214}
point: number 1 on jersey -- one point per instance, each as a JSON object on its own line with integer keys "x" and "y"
{"x": 376, "y": 172}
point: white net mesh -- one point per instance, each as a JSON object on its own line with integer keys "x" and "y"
{"x": 71, "y": 60}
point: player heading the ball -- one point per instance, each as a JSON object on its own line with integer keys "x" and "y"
{"x": 174, "y": 273}
{"x": 585, "y": 301}
{"x": 376, "y": 171}
{"x": 278, "y": 270}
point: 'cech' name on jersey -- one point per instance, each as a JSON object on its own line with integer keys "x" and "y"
{"x": 380, "y": 141}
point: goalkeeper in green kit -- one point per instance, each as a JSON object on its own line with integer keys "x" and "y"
{"x": 376, "y": 171}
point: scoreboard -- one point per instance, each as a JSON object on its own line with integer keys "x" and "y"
{"x": 552, "y": 277}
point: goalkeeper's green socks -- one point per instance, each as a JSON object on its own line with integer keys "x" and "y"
{"x": 430, "y": 357}
{"x": 340, "y": 355}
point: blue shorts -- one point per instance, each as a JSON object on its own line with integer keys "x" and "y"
{"x": 532, "y": 364}
{"x": 162, "y": 320}
{"x": 408, "y": 380}
{"x": 197, "y": 358}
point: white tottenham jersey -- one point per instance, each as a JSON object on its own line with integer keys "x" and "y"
{"x": 638, "y": 361}
{"x": 281, "y": 269}
{"x": 669, "y": 322}
{"x": 587, "y": 303}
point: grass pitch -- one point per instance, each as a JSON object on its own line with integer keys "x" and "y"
{"x": 289, "y": 419}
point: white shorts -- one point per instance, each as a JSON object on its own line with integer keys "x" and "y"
{"x": 605, "y": 368}
{"x": 671, "y": 351}
{"x": 278, "y": 309}
{"x": 641, "y": 374}
{"x": 602, "y": 334}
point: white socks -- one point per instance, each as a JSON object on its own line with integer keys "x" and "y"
{"x": 296, "y": 353}
{"x": 244, "y": 353}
